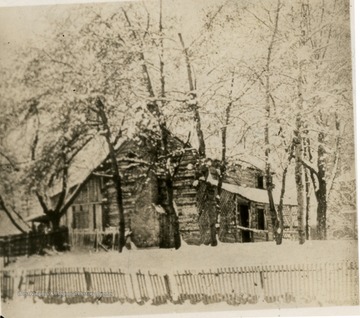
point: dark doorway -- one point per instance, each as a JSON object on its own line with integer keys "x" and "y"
{"x": 244, "y": 221}
{"x": 261, "y": 219}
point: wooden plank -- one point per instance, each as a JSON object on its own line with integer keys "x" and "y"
{"x": 126, "y": 288}
{"x": 82, "y": 284}
{"x": 247, "y": 282}
{"x": 176, "y": 276}
{"x": 236, "y": 286}
{"x": 342, "y": 282}
{"x": 110, "y": 290}
{"x": 338, "y": 283}
{"x": 157, "y": 290}
{"x": 278, "y": 277}
{"x": 102, "y": 287}
{"x": 205, "y": 287}
{"x": 132, "y": 287}
{"x": 352, "y": 282}
{"x": 146, "y": 288}
{"x": 270, "y": 284}
{"x": 152, "y": 287}
{"x": 278, "y": 291}
{"x": 225, "y": 285}
{"x": 162, "y": 294}
{"x": 255, "y": 283}
{"x": 159, "y": 287}
{"x": 210, "y": 289}
{"x": 213, "y": 282}
{"x": 114, "y": 285}
{"x": 197, "y": 290}
{"x": 296, "y": 282}
{"x": 186, "y": 285}
{"x": 232, "y": 289}
{"x": 121, "y": 283}
{"x": 220, "y": 285}
{"x": 197, "y": 286}
{"x": 192, "y": 293}
{"x": 201, "y": 286}
{"x": 240, "y": 285}
{"x": 138, "y": 274}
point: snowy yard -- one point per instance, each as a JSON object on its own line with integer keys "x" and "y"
{"x": 168, "y": 262}
{"x": 191, "y": 257}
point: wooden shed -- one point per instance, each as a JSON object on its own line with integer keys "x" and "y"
{"x": 244, "y": 205}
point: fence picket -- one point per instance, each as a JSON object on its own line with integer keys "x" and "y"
{"x": 117, "y": 285}
{"x": 178, "y": 287}
{"x": 140, "y": 285}
{"x": 211, "y": 278}
{"x": 223, "y": 279}
{"x": 110, "y": 286}
{"x": 240, "y": 279}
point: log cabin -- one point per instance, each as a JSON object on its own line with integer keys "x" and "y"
{"x": 95, "y": 210}
{"x": 94, "y": 213}
{"x": 244, "y": 207}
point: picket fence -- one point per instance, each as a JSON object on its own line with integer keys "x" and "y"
{"x": 334, "y": 283}
{"x": 7, "y": 284}
{"x": 30, "y": 243}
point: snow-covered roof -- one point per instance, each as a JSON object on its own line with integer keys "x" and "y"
{"x": 37, "y": 217}
{"x": 85, "y": 162}
{"x": 250, "y": 161}
{"x": 253, "y": 194}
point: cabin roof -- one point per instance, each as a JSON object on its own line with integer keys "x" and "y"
{"x": 38, "y": 217}
{"x": 253, "y": 194}
{"x": 85, "y": 162}
{"x": 89, "y": 158}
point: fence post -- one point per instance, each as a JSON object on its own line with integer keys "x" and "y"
{"x": 168, "y": 287}
{"x": 261, "y": 290}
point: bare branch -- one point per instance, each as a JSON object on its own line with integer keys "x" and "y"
{"x": 42, "y": 202}
{"x": 5, "y": 209}
{"x": 309, "y": 166}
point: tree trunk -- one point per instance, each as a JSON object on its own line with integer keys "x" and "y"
{"x": 298, "y": 162}
{"x": 269, "y": 183}
{"x": 307, "y": 207}
{"x": 54, "y": 220}
{"x": 194, "y": 105}
{"x": 172, "y": 213}
{"x": 115, "y": 173}
{"x": 210, "y": 210}
{"x": 299, "y": 181}
{"x": 307, "y": 155}
{"x": 279, "y": 237}
{"x": 321, "y": 193}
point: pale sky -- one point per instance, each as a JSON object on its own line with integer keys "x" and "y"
{"x": 21, "y": 26}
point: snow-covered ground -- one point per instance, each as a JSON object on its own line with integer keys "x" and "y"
{"x": 203, "y": 257}
{"x": 169, "y": 261}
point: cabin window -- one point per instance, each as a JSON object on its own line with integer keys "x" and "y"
{"x": 260, "y": 182}
{"x": 80, "y": 217}
{"x": 260, "y": 219}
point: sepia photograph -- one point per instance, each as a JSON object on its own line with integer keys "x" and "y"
{"x": 177, "y": 156}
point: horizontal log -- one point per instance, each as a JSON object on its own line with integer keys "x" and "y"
{"x": 251, "y": 230}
